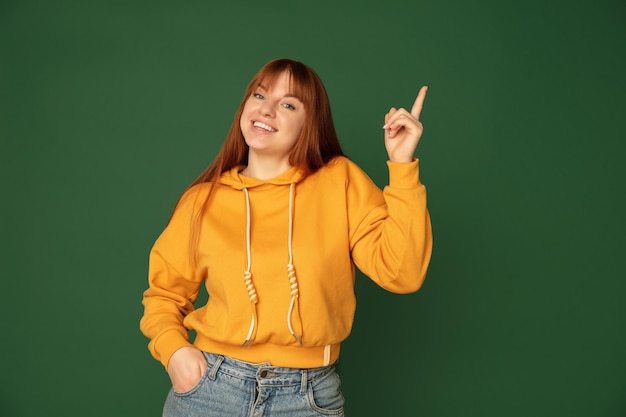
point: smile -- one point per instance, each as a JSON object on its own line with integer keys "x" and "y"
{"x": 264, "y": 126}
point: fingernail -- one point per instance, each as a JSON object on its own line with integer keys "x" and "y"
{"x": 385, "y": 126}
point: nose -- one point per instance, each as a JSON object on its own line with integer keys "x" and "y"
{"x": 267, "y": 109}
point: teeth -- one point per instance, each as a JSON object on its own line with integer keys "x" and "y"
{"x": 264, "y": 126}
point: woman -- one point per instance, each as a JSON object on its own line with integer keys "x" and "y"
{"x": 273, "y": 228}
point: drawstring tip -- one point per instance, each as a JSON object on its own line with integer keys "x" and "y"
{"x": 246, "y": 343}
{"x": 298, "y": 339}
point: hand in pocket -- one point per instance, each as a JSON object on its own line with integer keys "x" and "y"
{"x": 185, "y": 368}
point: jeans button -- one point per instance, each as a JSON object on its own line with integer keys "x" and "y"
{"x": 263, "y": 373}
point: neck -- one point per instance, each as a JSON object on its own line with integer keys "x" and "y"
{"x": 264, "y": 168}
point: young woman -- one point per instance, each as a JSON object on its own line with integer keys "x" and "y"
{"x": 274, "y": 228}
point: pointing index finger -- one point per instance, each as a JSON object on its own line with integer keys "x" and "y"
{"x": 419, "y": 102}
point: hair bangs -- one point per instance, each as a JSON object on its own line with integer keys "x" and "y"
{"x": 302, "y": 83}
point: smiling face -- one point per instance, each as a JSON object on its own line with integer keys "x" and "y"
{"x": 272, "y": 120}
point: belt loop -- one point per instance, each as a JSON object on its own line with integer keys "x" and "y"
{"x": 303, "y": 383}
{"x": 216, "y": 367}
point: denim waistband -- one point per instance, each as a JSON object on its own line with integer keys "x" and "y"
{"x": 264, "y": 373}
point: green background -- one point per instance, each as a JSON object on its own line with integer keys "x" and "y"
{"x": 108, "y": 109}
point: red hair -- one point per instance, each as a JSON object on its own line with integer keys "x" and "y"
{"x": 315, "y": 147}
{"x": 318, "y": 142}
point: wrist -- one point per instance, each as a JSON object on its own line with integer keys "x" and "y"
{"x": 401, "y": 160}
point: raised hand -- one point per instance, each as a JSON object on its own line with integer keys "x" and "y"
{"x": 403, "y": 130}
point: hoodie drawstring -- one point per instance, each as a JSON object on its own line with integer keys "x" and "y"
{"x": 248, "y": 278}
{"x": 294, "y": 305}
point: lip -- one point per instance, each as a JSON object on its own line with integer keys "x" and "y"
{"x": 261, "y": 128}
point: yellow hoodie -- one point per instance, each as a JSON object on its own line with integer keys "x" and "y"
{"x": 277, "y": 258}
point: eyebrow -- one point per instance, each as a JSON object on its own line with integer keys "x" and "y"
{"x": 286, "y": 95}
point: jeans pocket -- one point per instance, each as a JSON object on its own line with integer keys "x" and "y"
{"x": 201, "y": 381}
{"x": 324, "y": 395}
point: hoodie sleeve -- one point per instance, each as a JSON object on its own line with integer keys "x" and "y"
{"x": 391, "y": 237}
{"x": 173, "y": 283}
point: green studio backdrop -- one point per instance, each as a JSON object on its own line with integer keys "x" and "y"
{"x": 110, "y": 108}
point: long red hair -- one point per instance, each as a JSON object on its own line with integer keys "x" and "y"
{"x": 318, "y": 142}
{"x": 315, "y": 147}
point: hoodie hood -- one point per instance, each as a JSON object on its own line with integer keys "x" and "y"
{"x": 235, "y": 179}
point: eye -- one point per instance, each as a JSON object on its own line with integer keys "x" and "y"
{"x": 288, "y": 106}
{"x": 258, "y": 96}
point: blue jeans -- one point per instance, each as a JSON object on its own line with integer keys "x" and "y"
{"x": 232, "y": 388}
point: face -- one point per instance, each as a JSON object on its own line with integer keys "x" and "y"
{"x": 272, "y": 120}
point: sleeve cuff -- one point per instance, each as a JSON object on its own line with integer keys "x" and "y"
{"x": 168, "y": 343}
{"x": 404, "y": 174}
